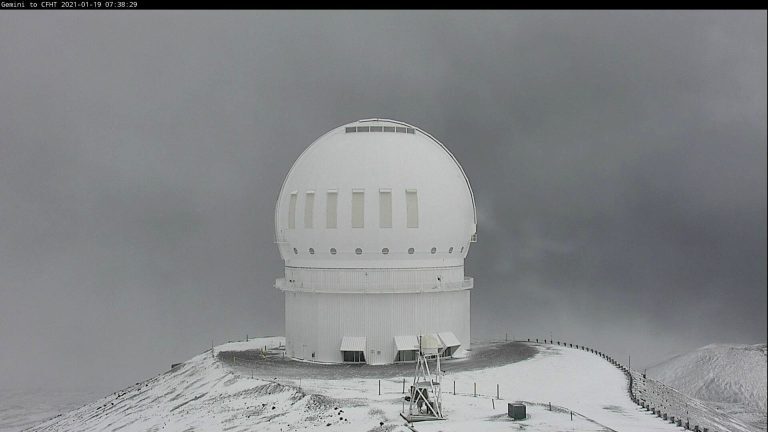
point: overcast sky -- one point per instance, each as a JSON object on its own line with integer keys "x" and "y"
{"x": 618, "y": 161}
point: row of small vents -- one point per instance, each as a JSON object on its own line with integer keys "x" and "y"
{"x": 384, "y": 251}
{"x": 396, "y": 129}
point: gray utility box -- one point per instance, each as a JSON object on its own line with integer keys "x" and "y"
{"x": 516, "y": 411}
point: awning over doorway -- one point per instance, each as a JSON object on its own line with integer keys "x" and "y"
{"x": 406, "y": 343}
{"x": 353, "y": 343}
{"x": 449, "y": 339}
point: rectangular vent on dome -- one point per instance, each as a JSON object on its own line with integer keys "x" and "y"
{"x": 309, "y": 208}
{"x": 350, "y": 129}
{"x": 389, "y": 128}
{"x": 292, "y": 210}
{"x": 376, "y": 128}
{"x": 331, "y": 203}
{"x": 412, "y": 208}
{"x": 358, "y": 209}
{"x": 400, "y": 130}
{"x": 410, "y": 131}
{"x": 363, "y": 128}
{"x": 385, "y": 208}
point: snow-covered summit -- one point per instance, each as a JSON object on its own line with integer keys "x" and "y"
{"x": 731, "y": 376}
{"x": 235, "y": 391}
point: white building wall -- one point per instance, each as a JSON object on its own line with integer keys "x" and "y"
{"x": 374, "y": 280}
{"x": 317, "y": 322}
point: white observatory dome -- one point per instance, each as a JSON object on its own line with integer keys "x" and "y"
{"x": 375, "y": 194}
{"x": 374, "y": 221}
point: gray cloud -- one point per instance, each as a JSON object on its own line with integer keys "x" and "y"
{"x": 618, "y": 161}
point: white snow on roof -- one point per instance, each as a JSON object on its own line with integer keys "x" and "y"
{"x": 449, "y": 339}
{"x": 353, "y": 343}
{"x": 406, "y": 343}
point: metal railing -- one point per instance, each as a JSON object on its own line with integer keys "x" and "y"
{"x": 664, "y": 401}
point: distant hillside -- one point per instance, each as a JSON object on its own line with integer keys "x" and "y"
{"x": 733, "y": 377}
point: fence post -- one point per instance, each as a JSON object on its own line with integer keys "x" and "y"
{"x": 475, "y": 391}
{"x": 403, "y": 385}
{"x": 379, "y": 387}
{"x": 493, "y": 404}
{"x": 497, "y": 392}
{"x": 454, "y": 387}
{"x": 550, "y": 406}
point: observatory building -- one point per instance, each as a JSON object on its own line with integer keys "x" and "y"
{"x": 374, "y": 221}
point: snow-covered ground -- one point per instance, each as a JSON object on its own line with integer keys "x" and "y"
{"x": 208, "y": 393}
{"x": 20, "y": 409}
{"x": 732, "y": 378}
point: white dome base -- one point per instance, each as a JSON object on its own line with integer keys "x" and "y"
{"x": 317, "y": 323}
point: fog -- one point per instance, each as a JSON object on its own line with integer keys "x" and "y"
{"x": 618, "y": 162}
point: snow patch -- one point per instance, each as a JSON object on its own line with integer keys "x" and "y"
{"x": 732, "y": 377}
